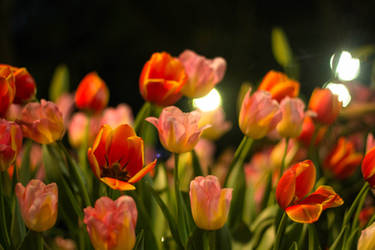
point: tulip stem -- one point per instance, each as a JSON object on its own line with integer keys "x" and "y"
{"x": 209, "y": 240}
{"x": 39, "y": 240}
{"x": 2, "y": 212}
{"x": 143, "y": 112}
{"x": 284, "y": 156}
{"x": 280, "y": 231}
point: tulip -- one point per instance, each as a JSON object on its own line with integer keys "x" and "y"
{"x": 293, "y": 189}
{"x": 161, "y": 79}
{"x": 79, "y": 133}
{"x": 342, "y": 161}
{"x": 203, "y": 74}
{"x": 292, "y": 117}
{"x": 368, "y": 167}
{"x": 7, "y": 89}
{"x": 92, "y": 93}
{"x": 111, "y": 224}
{"x": 259, "y": 114}
{"x": 38, "y": 204}
{"x": 64, "y": 244}
{"x": 116, "y": 157}
{"x": 178, "y": 131}
{"x": 279, "y": 85}
{"x": 209, "y": 203}
{"x": 65, "y": 103}
{"x": 10, "y": 143}
{"x": 217, "y": 122}
{"x": 325, "y": 104}
{"x": 114, "y": 117}
{"x": 25, "y": 85}
{"x": 42, "y": 122}
{"x": 308, "y": 130}
{"x": 367, "y": 239}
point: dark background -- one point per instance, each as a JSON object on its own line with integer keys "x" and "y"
{"x": 116, "y": 38}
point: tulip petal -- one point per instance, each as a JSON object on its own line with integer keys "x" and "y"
{"x": 119, "y": 148}
{"x": 286, "y": 188}
{"x": 368, "y": 167}
{"x": 304, "y": 213}
{"x": 117, "y": 184}
{"x": 305, "y": 178}
{"x": 143, "y": 172}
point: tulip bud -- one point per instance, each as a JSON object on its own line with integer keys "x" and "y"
{"x": 10, "y": 143}
{"x": 203, "y": 74}
{"x": 209, "y": 203}
{"x": 111, "y": 224}
{"x": 114, "y": 117}
{"x": 161, "y": 79}
{"x": 178, "y": 131}
{"x": 279, "y": 85}
{"x": 42, "y": 122}
{"x": 25, "y": 85}
{"x": 292, "y": 117}
{"x": 92, "y": 93}
{"x": 368, "y": 167}
{"x": 367, "y": 239}
{"x": 259, "y": 114}
{"x": 325, "y": 104}
{"x": 7, "y": 89}
{"x": 38, "y": 204}
{"x": 308, "y": 130}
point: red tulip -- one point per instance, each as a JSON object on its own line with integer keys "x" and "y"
{"x": 308, "y": 130}
{"x": 7, "y": 89}
{"x": 10, "y": 143}
{"x": 25, "y": 85}
{"x": 325, "y": 104}
{"x": 161, "y": 79}
{"x": 116, "y": 157}
{"x": 368, "y": 167}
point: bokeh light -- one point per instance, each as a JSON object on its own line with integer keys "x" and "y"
{"x": 347, "y": 67}
{"x": 209, "y": 102}
{"x": 341, "y": 91}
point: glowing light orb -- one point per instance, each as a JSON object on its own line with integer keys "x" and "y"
{"x": 347, "y": 67}
{"x": 209, "y": 102}
{"x": 341, "y": 91}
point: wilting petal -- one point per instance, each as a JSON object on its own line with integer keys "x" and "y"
{"x": 304, "y": 213}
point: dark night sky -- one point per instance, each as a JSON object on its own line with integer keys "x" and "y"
{"x": 115, "y": 38}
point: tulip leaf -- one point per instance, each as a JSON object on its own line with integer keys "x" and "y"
{"x": 259, "y": 232}
{"x": 242, "y": 233}
{"x": 266, "y": 214}
{"x": 223, "y": 239}
{"x": 336, "y": 244}
{"x": 352, "y": 238}
{"x": 294, "y": 246}
{"x": 280, "y": 47}
{"x": 25, "y": 171}
{"x": 60, "y": 82}
{"x": 196, "y": 164}
{"x": 313, "y": 243}
{"x": 195, "y": 240}
{"x": 17, "y": 227}
{"x": 139, "y": 243}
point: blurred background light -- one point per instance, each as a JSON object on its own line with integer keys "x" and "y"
{"x": 341, "y": 91}
{"x": 347, "y": 67}
{"x": 209, "y": 102}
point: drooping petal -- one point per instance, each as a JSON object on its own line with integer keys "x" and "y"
{"x": 304, "y": 213}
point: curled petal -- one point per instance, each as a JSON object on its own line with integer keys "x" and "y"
{"x": 304, "y": 213}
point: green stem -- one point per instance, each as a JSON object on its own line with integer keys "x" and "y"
{"x": 313, "y": 238}
{"x": 2, "y": 212}
{"x": 39, "y": 240}
{"x": 145, "y": 110}
{"x": 209, "y": 240}
{"x": 355, "y": 203}
{"x": 176, "y": 182}
{"x": 284, "y": 156}
{"x": 280, "y": 231}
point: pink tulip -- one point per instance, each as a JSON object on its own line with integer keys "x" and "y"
{"x": 370, "y": 142}
{"x": 292, "y": 110}
{"x": 178, "y": 131}
{"x": 10, "y": 143}
{"x": 111, "y": 224}
{"x": 203, "y": 74}
{"x": 114, "y": 117}
{"x": 64, "y": 244}
{"x": 42, "y": 122}
{"x": 38, "y": 204}
{"x": 77, "y": 131}
{"x": 259, "y": 114}
{"x": 65, "y": 103}
{"x": 209, "y": 203}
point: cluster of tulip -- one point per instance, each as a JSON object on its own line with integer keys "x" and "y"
{"x": 145, "y": 200}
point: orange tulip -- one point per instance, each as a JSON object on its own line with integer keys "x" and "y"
{"x": 25, "y": 84}
{"x": 368, "y": 167}
{"x": 293, "y": 189}
{"x": 42, "y": 122}
{"x": 7, "y": 89}
{"x": 117, "y": 157}
{"x": 279, "y": 85}
{"x": 92, "y": 93}
{"x": 161, "y": 79}
{"x": 308, "y": 130}
{"x": 10, "y": 143}
{"x": 38, "y": 204}
{"x": 343, "y": 160}
{"x": 325, "y": 104}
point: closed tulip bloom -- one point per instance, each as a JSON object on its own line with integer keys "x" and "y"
{"x": 114, "y": 117}
{"x": 92, "y": 93}
{"x": 203, "y": 74}
{"x": 342, "y": 161}
{"x": 368, "y": 167}
{"x": 293, "y": 189}
{"x": 117, "y": 157}
{"x": 111, "y": 224}
{"x": 367, "y": 239}
{"x": 209, "y": 203}
{"x": 7, "y": 89}
{"x": 292, "y": 110}
{"x": 325, "y": 104}
{"x": 42, "y": 122}
{"x": 10, "y": 143}
{"x": 179, "y": 132}
{"x": 38, "y": 204}
{"x": 308, "y": 130}
{"x": 259, "y": 114}
{"x": 217, "y": 122}
{"x": 161, "y": 79}
{"x": 25, "y": 84}
{"x": 279, "y": 85}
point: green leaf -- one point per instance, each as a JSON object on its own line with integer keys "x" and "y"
{"x": 336, "y": 244}
{"x": 17, "y": 228}
{"x": 294, "y": 246}
{"x": 223, "y": 239}
{"x": 259, "y": 232}
{"x": 280, "y": 47}
{"x": 196, "y": 164}
{"x": 242, "y": 233}
{"x": 139, "y": 243}
{"x": 313, "y": 238}
{"x": 25, "y": 171}
{"x": 195, "y": 240}
{"x": 60, "y": 82}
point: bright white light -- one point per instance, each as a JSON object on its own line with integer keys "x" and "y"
{"x": 209, "y": 102}
{"x": 347, "y": 67}
{"x": 341, "y": 91}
